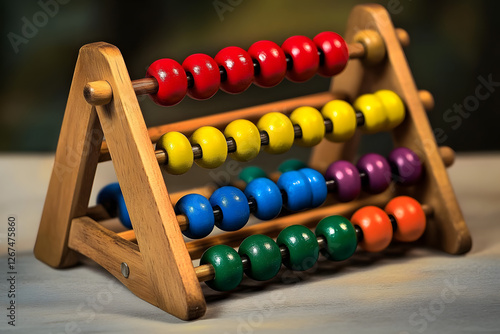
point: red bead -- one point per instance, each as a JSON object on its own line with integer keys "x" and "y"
{"x": 205, "y": 73}
{"x": 376, "y": 227}
{"x": 239, "y": 69}
{"x": 272, "y": 63}
{"x": 409, "y": 216}
{"x": 172, "y": 81}
{"x": 335, "y": 53}
{"x": 305, "y": 58}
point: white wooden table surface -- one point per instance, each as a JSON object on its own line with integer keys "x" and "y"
{"x": 420, "y": 291}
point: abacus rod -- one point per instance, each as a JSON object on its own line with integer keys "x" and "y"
{"x": 447, "y": 155}
{"x": 99, "y": 94}
{"x": 206, "y": 272}
{"x": 162, "y": 157}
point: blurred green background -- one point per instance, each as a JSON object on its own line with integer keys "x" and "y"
{"x": 453, "y": 43}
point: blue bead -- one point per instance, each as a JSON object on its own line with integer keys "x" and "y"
{"x": 111, "y": 198}
{"x": 199, "y": 213}
{"x": 318, "y": 186}
{"x": 267, "y": 196}
{"x": 234, "y": 206}
{"x": 298, "y": 190}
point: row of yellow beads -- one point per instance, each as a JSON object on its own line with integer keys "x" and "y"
{"x": 381, "y": 111}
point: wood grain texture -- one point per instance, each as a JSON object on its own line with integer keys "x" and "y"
{"x": 447, "y": 230}
{"x": 166, "y": 260}
{"x": 92, "y": 240}
{"x": 73, "y": 172}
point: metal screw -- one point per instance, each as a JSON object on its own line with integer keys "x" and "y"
{"x": 125, "y": 269}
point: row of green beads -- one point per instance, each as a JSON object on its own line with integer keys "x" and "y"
{"x": 264, "y": 255}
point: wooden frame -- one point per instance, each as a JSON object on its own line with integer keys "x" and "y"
{"x": 158, "y": 262}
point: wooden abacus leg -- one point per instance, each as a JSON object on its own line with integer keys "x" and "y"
{"x": 169, "y": 278}
{"x": 448, "y": 231}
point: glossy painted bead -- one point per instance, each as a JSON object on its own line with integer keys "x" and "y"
{"x": 318, "y": 186}
{"x": 311, "y": 123}
{"x": 377, "y": 172}
{"x": 298, "y": 190}
{"x": 111, "y": 198}
{"x": 347, "y": 179}
{"x": 234, "y": 206}
{"x": 272, "y": 63}
{"x": 406, "y": 166}
{"x": 291, "y": 164}
{"x": 302, "y": 246}
{"x": 239, "y": 69}
{"x": 172, "y": 81}
{"x": 373, "y": 111}
{"x": 199, "y": 214}
{"x": 376, "y": 227}
{"x": 179, "y": 152}
{"x": 250, "y": 173}
{"x": 304, "y": 56}
{"x": 213, "y": 146}
{"x": 279, "y": 129}
{"x": 343, "y": 118}
{"x": 227, "y": 266}
{"x": 205, "y": 73}
{"x": 247, "y": 138}
{"x": 335, "y": 53}
{"x": 394, "y": 107}
{"x": 267, "y": 196}
{"x": 264, "y": 257}
{"x": 340, "y": 237}
{"x": 410, "y": 218}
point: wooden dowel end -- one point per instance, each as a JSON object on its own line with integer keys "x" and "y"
{"x": 447, "y": 154}
{"x": 98, "y": 93}
{"x": 427, "y": 99}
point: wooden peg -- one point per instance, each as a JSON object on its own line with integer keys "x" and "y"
{"x": 98, "y": 93}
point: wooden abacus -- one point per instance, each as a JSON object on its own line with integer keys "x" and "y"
{"x": 153, "y": 260}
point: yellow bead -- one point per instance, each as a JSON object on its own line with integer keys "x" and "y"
{"x": 394, "y": 107}
{"x": 247, "y": 139}
{"x": 279, "y": 128}
{"x": 179, "y": 152}
{"x": 311, "y": 123}
{"x": 213, "y": 146}
{"x": 373, "y": 112}
{"x": 343, "y": 117}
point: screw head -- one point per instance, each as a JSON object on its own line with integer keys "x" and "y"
{"x": 125, "y": 269}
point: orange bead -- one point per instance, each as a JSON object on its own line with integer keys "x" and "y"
{"x": 409, "y": 216}
{"x": 376, "y": 227}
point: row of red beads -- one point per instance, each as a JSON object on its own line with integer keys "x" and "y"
{"x": 233, "y": 69}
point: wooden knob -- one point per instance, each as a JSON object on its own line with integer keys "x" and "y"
{"x": 447, "y": 154}
{"x": 373, "y": 44}
{"x": 403, "y": 37}
{"x": 427, "y": 99}
{"x": 98, "y": 93}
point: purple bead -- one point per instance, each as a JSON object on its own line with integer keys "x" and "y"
{"x": 377, "y": 172}
{"x": 405, "y": 165}
{"x": 347, "y": 179}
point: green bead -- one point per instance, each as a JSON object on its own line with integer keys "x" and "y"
{"x": 291, "y": 164}
{"x": 340, "y": 237}
{"x": 302, "y": 245}
{"x": 251, "y": 173}
{"x": 264, "y": 257}
{"x": 227, "y": 265}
